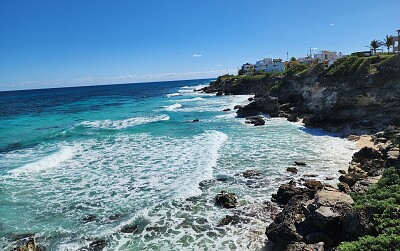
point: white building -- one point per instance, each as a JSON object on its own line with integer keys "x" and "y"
{"x": 327, "y": 56}
{"x": 275, "y": 67}
{"x": 304, "y": 60}
{"x": 246, "y": 67}
{"x": 262, "y": 64}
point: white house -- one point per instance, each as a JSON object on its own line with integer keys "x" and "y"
{"x": 246, "y": 67}
{"x": 327, "y": 56}
{"x": 304, "y": 60}
{"x": 276, "y": 66}
{"x": 262, "y": 64}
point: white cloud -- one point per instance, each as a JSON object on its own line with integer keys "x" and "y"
{"x": 332, "y": 24}
{"x": 197, "y": 55}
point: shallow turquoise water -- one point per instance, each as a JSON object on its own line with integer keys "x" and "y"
{"x": 77, "y": 164}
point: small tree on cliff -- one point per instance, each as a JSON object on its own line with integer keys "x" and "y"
{"x": 389, "y": 42}
{"x": 375, "y": 44}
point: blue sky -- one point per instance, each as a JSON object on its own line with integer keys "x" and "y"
{"x": 75, "y": 42}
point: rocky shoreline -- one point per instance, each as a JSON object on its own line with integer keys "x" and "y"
{"x": 317, "y": 216}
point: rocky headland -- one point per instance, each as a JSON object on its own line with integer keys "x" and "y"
{"x": 353, "y": 97}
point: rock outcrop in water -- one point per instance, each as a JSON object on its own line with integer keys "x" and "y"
{"x": 354, "y": 93}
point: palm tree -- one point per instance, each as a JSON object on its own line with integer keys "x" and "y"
{"x": 389, "y": 42}
{"x": 375, "y": 44}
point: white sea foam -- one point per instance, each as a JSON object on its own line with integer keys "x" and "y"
{"x": 192, "y": 99}
{"x": 124, "y": 123}
{"x": 172, "y": 107}
{"x": 51, "y": 161}
{"x": 172, "y": 94}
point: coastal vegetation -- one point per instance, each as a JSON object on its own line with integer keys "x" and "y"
{"x": 382, "y": 204}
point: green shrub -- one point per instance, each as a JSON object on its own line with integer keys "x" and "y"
{"x": 382, "y": 204}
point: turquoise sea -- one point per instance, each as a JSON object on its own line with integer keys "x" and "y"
{"x": 78, "y": 164}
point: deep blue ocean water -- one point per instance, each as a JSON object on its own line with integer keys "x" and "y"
{"x": 78, "y": 164}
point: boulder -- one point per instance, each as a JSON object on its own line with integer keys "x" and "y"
{"x": 262, "y": 105}
{"x": 350, "y": 178}
{"x": 237, "y": 107}
{"x": 288, "y": 191}
{"x": 313, "y": 184}
{"x": 342, "y": 171}
{"x": 292, "y": 170}
{"x": 226, "y": 200}
{"x": 251, "y": 173}
{"x": 255, "y": 120}
{"x": 300, "y": 163}
{"x": 226, "y": 110}
{"x": 233, "y": 220}
{"x": 344, "y": 187}
{"x": 195, "y": 120}
{"x": 393, "y": 157}
{"x": 219, "y": 93}
{"x": 30, "y": 245}
{"x": 293, "y": 118}
{"x": 366, "y": 153}
{"x": 301, "y": 246}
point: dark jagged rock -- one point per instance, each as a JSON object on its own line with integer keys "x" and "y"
{"x": 250, "y": 99}
{"x": 233, "y": 220}
{"x": 366, "y": 153}
{"x": 263, "y": 105}
{"x": 195, "y": 120}
{"x": 251, "y": 174}
{"x": 328, "y": 217}
{"x": 344, "y": 187}
{"x": 226, "y": 110}
{"x": 255, "y": 120}
{"x": 313, "y": 184}
{"x": 226, "y": 200}
{"x": 301, "y": 246}
{"x": 292, "y": 170}
{"x": 350, "y": 178}
{"x": 342, "y": 171}
{"x": 97, "y": 245}
{"x": 89, "y": 218}
{"x": 237, "y": 107}
{"x": 300, "y": 163}
{"x": 219, "y": 93}
{"x": 129, "y": 229}
{"x": 288, "y": 191}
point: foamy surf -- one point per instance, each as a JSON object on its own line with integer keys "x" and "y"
{"x": 49, "y": 162}
{"x": 124, "y": 123}
{"x": 172, "y": 107}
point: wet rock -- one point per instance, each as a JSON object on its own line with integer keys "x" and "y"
{"x": 366, "y": 153}
{"x": 262, "y": 105}
{"x": 26, "y": 237}
{"x": 310, "y": 175}
{"x": 97, "y": 245}
{"x": 226, "y": 200}
{"x": 129, "y": 229}
{"x": 250, "y": 99}
{"x": 88, "y": 218}
{"x": 313, "y": 184}
{"x": 342, "y": 171}
{"x": 255, "y": 120}
{"x": 30, "y": 245}
{"x": 292, "y": 170}
{"x": 195, "y": 120}
{"x": 226, "y": 110}
{"x": 251, "y": 173}
{"x": 293, "y": 118}
{"x": 344, "y": 187}
{"x": 300, "y": 163}
{"x": 114, "y": 217}
{"x": 237, "y": 107}
{"x": 233, "y": 220}
{"x": 329, "y": 178}
{"x": 219, "y": 93}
